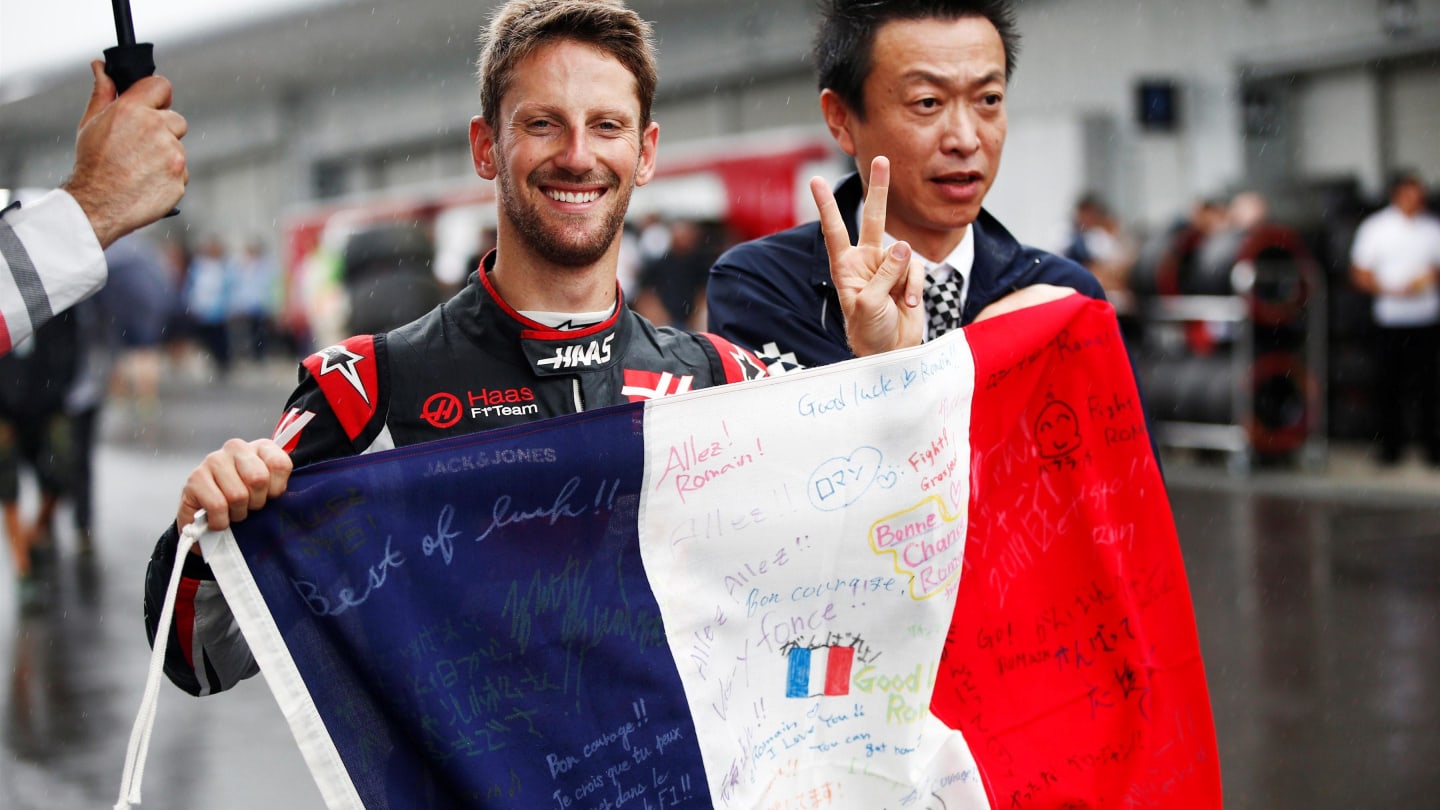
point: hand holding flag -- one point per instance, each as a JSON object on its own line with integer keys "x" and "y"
{"x": 234, "y": 481}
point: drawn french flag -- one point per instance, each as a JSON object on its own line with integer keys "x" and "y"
{"x": 819, "y": 671}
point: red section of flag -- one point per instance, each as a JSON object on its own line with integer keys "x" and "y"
{"x": 1073, "y": 666}
{"x": 837, "y": 670}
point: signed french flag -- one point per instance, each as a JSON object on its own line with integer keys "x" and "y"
{"x": 939, "y": 578}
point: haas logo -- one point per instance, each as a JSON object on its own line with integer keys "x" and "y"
{"x": 579, "y": 354}
{"x": 441, "y": 410}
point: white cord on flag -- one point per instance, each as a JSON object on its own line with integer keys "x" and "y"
{"x": 139, "y": 748}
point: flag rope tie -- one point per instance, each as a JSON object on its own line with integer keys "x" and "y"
{"x": 139, "y": 748}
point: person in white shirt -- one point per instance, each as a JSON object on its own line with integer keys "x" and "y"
{"x": 129, "y": 171}
{"x": 1396, "y": 259}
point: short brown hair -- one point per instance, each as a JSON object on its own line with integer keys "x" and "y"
{"x": 520, "y": 27}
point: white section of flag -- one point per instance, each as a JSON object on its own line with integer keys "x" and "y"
{"x": 755, "y": 522}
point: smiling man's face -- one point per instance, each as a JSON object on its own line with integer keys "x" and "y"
{"x": 567, "y": 150}
{"x": 934, "y": 105}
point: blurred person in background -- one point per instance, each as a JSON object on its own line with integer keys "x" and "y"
{"x": 1248, "y": 209}
{"x": 129, "y": 171}
{"x": 923, "y": 83}
{"x": 654, "y": 238}
{"x": 254, "y": 300}
{"x": 35, "y": 434}
{"x": 628, "y": 265}
{"x": 1396, "y": 259}
{"x": 1184, "y": 235}
{"x": 387, "y": 270}
{"x": 321, "y": 290}
{"x": 1168, "y": 259}
{"x": 98, "y": 345}
{"x": 209, "y": 285}
{"x": 1097, "y": 243}
{"x": 1224, "y": 227}
{"x": 672, "y": 285}
{"x": 176, "y": 335}
{"x": 138, "y": 306}
{"x": 1220, "y": 229}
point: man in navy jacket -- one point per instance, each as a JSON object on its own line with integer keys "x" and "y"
{"x": 923, "y": 84}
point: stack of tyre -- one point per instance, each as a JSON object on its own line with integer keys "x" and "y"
{"x": 1197, "y": 379}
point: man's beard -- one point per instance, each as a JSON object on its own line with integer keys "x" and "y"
{"x": 545, "y": 239}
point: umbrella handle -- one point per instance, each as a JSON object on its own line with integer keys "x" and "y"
{"x": 127, "y": 64}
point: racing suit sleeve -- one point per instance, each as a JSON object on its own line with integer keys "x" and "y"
{"x": 206, "y": 652}
{"x": 730, "y": 363}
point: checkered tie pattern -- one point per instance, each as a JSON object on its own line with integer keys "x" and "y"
{"x": 942, "y": 302}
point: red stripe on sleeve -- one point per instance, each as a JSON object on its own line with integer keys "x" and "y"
{"x": 185, "y": 617}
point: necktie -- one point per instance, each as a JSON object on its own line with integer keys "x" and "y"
{"x": 942, "y": 302}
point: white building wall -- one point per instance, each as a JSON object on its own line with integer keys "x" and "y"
{"x": 1334, "y": 138}
{"x": 1041, "y": 172}
{"x": 46, "y": 165}
{"x": 1414, "y": 103}
{"x": 730, "y": 68}
{"x": 1082, "y": 58}
{"x": 779, "y": 104}
{"x": 389, "y": 110}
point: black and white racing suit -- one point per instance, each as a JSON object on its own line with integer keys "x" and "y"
{"x": 472, "y": 364}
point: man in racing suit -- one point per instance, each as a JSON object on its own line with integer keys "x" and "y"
{"x": 472, "y": 364}
{"x": 539, "y": 331}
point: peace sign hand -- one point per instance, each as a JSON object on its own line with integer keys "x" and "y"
{"x": 880, "y": 290}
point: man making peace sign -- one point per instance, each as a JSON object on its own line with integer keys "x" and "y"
{"x": 923, "y": 84}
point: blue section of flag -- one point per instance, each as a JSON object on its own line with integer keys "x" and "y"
{"x": 461, "y": 639}
{"x": 797, "y": 681}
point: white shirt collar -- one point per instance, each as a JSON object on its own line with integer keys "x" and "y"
{"x": 961, "y": 260}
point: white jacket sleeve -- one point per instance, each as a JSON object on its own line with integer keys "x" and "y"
{"x": 50, "y": 260}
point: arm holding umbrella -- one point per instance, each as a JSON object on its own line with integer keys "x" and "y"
{"x": 129, "y": 172}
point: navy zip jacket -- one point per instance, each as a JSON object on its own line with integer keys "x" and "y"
{"x": 778, "y": 289}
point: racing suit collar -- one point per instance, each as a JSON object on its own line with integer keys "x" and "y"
{"x": 550, "y": 351}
